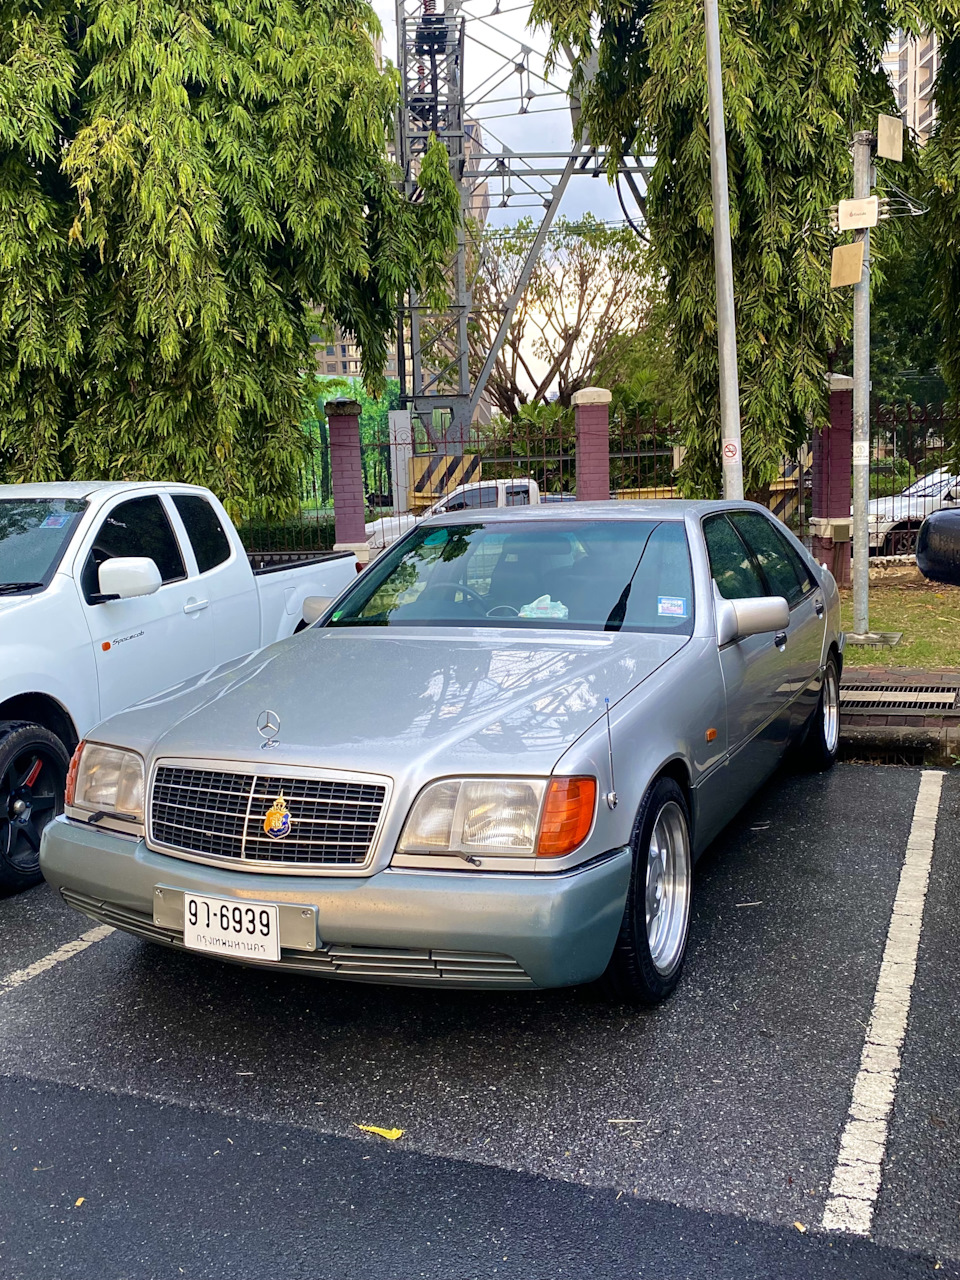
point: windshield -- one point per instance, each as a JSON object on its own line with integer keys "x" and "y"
{"x": 597, "y": 575}
{"x": 33, "y": 535}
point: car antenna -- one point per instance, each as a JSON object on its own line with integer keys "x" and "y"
{"x": 611, "y": 796}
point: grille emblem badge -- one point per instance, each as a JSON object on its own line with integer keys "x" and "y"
{"x": 268, "y": 726}
{"x": 277, "y": 822}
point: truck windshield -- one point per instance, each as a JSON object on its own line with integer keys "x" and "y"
{"x": 595, "y": 575}
{"x": 34, "y": 533}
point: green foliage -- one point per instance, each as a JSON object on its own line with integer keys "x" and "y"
{"x": 181, "y": 183}
{"x": 799, "y": 76}
{"x": 374, "y": 434}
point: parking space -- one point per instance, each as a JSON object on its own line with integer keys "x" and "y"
{"x": 719, "y": 1113}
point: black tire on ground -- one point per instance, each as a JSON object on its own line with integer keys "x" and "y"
{"x": 33, "y": 774}
{"x": 658, "y": 905}
{"x": 820, "y": 744}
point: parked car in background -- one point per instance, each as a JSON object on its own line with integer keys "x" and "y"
{"x": 478, "y": 495}
{"x": 108, "y": 594}
{"x": 491, "y": 763}
{"x": 894, "y": 522}
{"x": 938, "y": 547}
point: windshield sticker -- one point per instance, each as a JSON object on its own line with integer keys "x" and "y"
{"x": 544, "y": 607}
{"x": 436, "y": 538}
{"x": 55, "y": 522}
{"x": 671, "y": 606}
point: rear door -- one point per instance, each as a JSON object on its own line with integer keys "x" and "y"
{"x": 755, "y": 669}
{"x": 148, "y": 643}
{"x": 224, "y": 577}
{"x": 786, "y": 575}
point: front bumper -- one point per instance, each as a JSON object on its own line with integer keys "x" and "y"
{"x": 414, "y": 928}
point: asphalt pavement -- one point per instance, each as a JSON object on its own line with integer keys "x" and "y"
{"x": 163, "y": 1114}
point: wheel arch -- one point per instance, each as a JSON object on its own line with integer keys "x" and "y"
{"x": 42, "y": 709}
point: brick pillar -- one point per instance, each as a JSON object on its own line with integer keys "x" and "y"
{"x": 346, "y": 474}
{"x": 592, "y": 409}
{"x": 832, "y": 478}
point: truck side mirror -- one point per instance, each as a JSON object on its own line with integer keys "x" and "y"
{"x": 125, "y": 577}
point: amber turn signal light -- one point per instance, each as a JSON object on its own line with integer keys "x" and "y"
{"x": 567, "y": 815}
{"x": 71, "y": 787}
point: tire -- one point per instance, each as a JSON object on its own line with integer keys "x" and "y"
{"x": 648, "y": 957}
{"x": 33, "y": 775}
{"x": 821, "y": 740}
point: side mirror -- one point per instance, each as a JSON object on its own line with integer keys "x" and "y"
{"x": 737, "y": 619}
{"x": 315, "y": 607}
{"x": 129, "y": 576}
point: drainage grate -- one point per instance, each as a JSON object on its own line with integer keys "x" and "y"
{"x": 873, "y": 697}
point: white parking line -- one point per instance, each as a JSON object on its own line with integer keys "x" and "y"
{"x": 69, "y": 949}
{"x": 856, "y": 1177}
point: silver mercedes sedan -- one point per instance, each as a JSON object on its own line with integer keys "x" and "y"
{"x": 492, "y": 761}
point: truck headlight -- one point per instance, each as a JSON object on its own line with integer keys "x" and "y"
{"x": 108, "y": 780}
{"x": 509, "y": 817}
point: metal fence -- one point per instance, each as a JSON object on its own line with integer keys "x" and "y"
{"x": 908, "y": 447}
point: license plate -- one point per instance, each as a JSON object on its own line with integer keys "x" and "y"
{"x": 225, "y": 927}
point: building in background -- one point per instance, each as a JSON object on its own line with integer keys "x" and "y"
{"x": 912, "y": 63}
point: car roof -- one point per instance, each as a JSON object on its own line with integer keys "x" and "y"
{"x": 613, "y": 509}
{"x": 87, "y": 488}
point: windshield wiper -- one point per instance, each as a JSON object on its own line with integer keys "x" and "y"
{"x": 9, "y": 588}
{"x": 619, "y": 611}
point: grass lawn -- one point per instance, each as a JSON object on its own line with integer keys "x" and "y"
{"x": 926, "y": 613}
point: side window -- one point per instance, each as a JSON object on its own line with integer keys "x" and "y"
{"x": 518, "y": 495}
{"x": 731, "y": 565}
{"x": 207, "y": 536}
{"x": 138, "y": 527}
{"x": 485, "y": 496}
{"x": 782, "y": 567}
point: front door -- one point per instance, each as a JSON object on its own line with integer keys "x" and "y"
{"x": 755, "y": 670}
{"x": 151, "y": 642}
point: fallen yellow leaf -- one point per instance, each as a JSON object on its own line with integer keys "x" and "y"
{"x": 800, "y": 1227}
{"x": 390, "y": 1134}
{"x": 79, "y": 1202}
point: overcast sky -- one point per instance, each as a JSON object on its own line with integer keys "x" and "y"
{"x": 493, "y": 40}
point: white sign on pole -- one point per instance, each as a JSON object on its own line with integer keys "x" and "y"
{"x": 854, "y": 215}
{"x": 890, "y": 138}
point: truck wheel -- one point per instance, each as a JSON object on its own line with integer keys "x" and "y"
{"x": 648, "y": 957}
{"x": 33, "y": 774}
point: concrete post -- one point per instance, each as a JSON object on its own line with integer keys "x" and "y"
{"x": 346, "y": 474}
{"x": 592, "y": 410}
{"x": 832, "y": 488}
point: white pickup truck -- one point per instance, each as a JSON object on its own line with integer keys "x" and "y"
{"x": 479, "y": 493}
{"x": 110, "y": 593}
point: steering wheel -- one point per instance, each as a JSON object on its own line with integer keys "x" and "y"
{"x": 451, "y": 588}
{"x": 495, "y": 611}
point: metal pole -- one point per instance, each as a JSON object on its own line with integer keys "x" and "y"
{"x": 731, "y": 450}
{"x": 862, "y": 146}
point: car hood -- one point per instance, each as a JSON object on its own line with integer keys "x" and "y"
{"x": 389, "y": 528}
{"x": 400, "y": 700}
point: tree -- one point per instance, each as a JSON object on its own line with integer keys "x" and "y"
{"x": 181, "y": 183}
{"x": 799, "y": 76}
{"x": 588, "y": 297}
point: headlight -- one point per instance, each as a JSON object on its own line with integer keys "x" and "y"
{"x": 108, "y": 780}
{"x": 507, "y": 817}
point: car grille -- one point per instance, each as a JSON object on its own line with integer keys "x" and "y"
{"x": 214, "y": 814}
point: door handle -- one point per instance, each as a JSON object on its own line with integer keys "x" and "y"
{"x": 818, "y": 605}
{"x": 780, "y": 640}
{"x": 194, "y": 606}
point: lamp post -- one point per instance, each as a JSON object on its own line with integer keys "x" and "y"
{"x": 732, "y": 452}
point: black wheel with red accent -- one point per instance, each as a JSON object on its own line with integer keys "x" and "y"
{"x": 33, "y": 774}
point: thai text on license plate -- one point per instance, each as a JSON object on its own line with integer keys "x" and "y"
{"x": 223, "y": 926}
